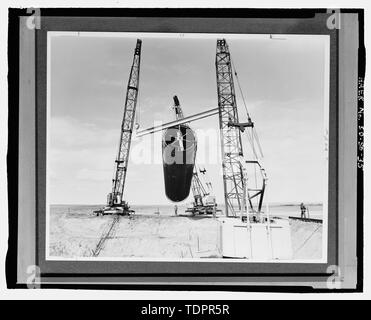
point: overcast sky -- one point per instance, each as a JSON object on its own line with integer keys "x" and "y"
{"x": 283, "y": 82}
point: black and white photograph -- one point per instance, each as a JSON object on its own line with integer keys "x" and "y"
{"x": 187, "y": 147}
{"x": 172, "y": 151}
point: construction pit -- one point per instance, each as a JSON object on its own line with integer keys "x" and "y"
{"x": 80, "y": 235}
{"x": 116, "y": 231}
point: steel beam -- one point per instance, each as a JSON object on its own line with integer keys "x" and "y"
{"x": 167, "y": 125}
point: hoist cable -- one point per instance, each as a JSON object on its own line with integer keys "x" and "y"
{"x": 258, "y": 142}
{"x": 239, "y": 87}
{"x": 137, "y": 113}
{"x": 251, "y": 141}
{"x": 254, "y": 134}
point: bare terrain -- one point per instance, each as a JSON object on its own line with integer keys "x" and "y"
{"x": 156, "y": 236}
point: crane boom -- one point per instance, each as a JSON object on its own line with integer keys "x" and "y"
{"x": 232, "y": 153}
{"x": 199, "y": 191}
{"x": 115, "y": 198}
{"x": 237, "y": 194}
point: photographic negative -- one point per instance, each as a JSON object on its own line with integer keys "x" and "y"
{"x": 219, "y": 146}
{"x": 172, "y": 147}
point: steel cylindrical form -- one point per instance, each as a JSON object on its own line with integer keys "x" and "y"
{"x": 179, "y": 147}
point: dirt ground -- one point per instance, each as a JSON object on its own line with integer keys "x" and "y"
{"x": 306, "y": 239}
{"x": 151, "y": 236}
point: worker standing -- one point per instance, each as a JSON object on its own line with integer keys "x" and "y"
{"x": 214, "y": 208}
{"x": 176, "y": 210}
{"x": 303, "y": 210}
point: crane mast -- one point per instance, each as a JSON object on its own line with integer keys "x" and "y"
{"x": 233, "y": 177}
{"x": 237, "y": 194}
{"x": 115, "y": 198}
{"x": 198, "y": 190}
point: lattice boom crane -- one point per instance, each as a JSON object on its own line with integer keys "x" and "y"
{"x": 236, "y": 192}
{"x": 230, "y": 136}
{"x": 115, "y": 201}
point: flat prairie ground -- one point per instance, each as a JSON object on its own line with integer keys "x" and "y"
{"x": 155, "y": 236}
{"x": 164, "y": 237}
